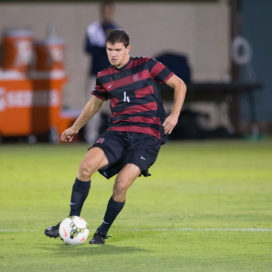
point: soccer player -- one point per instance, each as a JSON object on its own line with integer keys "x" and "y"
{"x": 136, "y": 130}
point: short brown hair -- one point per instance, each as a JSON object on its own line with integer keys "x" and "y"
{"x": 118, "y": 35}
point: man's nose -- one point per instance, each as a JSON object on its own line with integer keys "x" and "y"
{"x": 113, "y": 53}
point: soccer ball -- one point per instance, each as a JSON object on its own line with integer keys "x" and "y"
{"x": 74, "y": 230}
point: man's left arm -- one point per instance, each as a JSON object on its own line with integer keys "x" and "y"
{"x": 179, "y": 96}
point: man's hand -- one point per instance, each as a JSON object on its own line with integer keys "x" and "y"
{"x": 169, "y": 123}
{"x": 68, "y": 134}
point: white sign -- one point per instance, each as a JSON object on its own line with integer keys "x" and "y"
{"x": 24, "y": 55}
{"x": 28, "y": 98}
{"x": 2, "y": 99}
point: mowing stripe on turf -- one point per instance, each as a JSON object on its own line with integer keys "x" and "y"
{"x": 197, "y": 229}
{"x": 164, "y": 229}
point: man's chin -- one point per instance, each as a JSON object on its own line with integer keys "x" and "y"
{"x": 115, "y": 64}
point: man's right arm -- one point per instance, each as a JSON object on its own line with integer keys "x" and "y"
{"x": 90, "y": 109}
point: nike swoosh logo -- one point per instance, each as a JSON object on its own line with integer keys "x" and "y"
{"x": 65, "y": 232}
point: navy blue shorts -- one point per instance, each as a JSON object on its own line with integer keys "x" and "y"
{"x": 128, "y": 147}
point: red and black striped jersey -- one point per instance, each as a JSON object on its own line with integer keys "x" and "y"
{"x": 134, "y": 95}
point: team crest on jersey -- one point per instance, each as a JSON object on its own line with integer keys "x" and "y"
{"x": 100, "y": 140}
{"x": 136, "y": 77}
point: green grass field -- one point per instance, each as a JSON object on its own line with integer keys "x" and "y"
{"x": 206, "y": 207}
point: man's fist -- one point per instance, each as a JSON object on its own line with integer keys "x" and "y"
{"x": 68, "y": 134}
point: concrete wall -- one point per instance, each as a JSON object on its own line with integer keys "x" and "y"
{"x": 200, "y": 30}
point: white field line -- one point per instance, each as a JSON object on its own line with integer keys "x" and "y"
{"x": 166, "y": 229}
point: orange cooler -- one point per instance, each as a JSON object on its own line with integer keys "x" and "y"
{"x": 30, "y": 106}
{"x": 17, "y": 49}
{"x": 49, "y": 55}
{"x": 31, "y": 103}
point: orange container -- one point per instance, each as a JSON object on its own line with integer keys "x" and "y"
{"x": 17, "y": 49}
{"x": 31, "y": 106}
{"x": 49, "y": 55}
{"x": 31, "y": 103}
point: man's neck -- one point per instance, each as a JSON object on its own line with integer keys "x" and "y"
{"x": 123, "y": 64}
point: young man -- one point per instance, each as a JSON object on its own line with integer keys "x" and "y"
{"x": 136, "y": 130}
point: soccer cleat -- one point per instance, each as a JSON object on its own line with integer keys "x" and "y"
{"x": 99, "y": 238}
{"x": 52, "y": 231}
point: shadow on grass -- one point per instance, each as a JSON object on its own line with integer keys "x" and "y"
{"x": 63, "y": 250}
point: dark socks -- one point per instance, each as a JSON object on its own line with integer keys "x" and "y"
{"x": 113, "y": 209}
{"x": 79, "y": 193}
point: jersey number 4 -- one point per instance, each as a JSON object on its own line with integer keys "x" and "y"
{"x": 126, "y": 98}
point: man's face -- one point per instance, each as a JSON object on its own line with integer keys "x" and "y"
{"x": 118, "y": 54}
{"x": 106, "y": 13}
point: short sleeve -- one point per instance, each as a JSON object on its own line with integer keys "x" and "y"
{"x": 159, "y": 71}
{"x": 99, "y": 91}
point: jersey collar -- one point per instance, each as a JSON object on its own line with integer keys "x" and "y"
{"x": 125, "y": 66}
